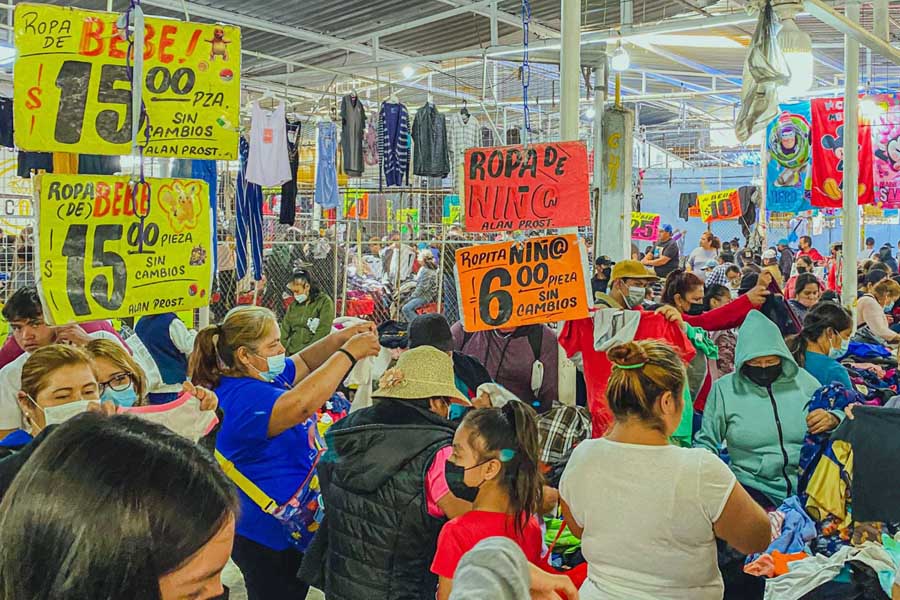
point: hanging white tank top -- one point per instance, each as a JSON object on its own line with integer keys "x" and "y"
{"x": 268, "y": 164}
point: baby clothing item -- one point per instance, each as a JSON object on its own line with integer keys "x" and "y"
{"x": 268, "y": 164}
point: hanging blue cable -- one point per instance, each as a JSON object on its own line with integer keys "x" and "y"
{"x": 526, "y": 66}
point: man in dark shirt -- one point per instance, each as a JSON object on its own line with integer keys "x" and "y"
{"x": 665, "y": 257}
{"x": 600, "y": 280}
{"x": 786, "y": 258}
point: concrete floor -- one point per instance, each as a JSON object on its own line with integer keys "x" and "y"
{"x": 232, "y": 577}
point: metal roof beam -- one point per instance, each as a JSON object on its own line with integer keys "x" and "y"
{"x": 382, "y": 33}
{"x": 225, "y": 16}
{"x": 841, "y": 23}
{"x": 504, "y": 17}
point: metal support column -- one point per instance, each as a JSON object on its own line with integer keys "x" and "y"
{"x": 600, "y": 87}
{"x": 851, "y": 160}
{"x": 881, "y": 22}
{"x": 570, "y": 69}
{"x": 570, "y": 75}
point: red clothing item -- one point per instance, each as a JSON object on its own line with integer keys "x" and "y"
{"x": 813, "y": 255}
{"x": 578, "y": 336}
{"x": 11, "y": 349}
{"x": 727, "y": 316}
{"x": 462, "y": 534}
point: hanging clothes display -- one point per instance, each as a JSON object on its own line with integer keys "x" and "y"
{"x": 248, "y": 224}
{"x": 828, "y": 156}
{"x": 34, "y": 161}
{"x": 513, "y": 136}
{"x": 326, "y": 194}
{"x": 370, "y": 145}
{"x": 464, "y": 132}
{"x": 65, "y": 163}
{"x": 98, "y": 164}
{"x": 353, "y": 124}
{"x": 429, "y": 134}
{"x": 393, "y": 144}
{"x": 288, "y": 213}
{"x": 487, "y": 137}
{"x": 268, "y": 163}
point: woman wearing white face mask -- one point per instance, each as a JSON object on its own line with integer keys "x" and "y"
{"x": 57, "y": 384}
{"x": 309, "y": 316}
{"x": 266, "y": 439}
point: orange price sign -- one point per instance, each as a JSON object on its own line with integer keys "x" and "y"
{"x": 719, "y": 206}
{"x": 540, "y": 280}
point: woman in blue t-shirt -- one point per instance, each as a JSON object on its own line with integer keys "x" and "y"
{"x": 267, "y": 401}
{"x": 823, "y": 340}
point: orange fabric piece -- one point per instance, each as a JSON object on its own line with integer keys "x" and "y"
{"x": 65, "y": 163}
{"x": 782, "y": 561}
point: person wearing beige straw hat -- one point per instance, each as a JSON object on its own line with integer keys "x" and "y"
{"x": 384, "y": 488}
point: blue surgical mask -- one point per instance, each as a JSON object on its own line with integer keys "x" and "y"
{"x": 276, "y": 366}
{"x": 889, "y": 308}
{"x": 125, "y": 398}
{"x": 300, "y": 298}
{"x": 837, "y": 353}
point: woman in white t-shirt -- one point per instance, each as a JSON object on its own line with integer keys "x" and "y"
{"x": 707, "y": 251}
{"x": 648, "y": 513}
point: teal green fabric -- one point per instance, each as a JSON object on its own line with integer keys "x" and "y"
{"x": 295, "y": 332}
{"x": 684, "y": 434}
{"x": 702, "y": 342}
{"x": 740, "y": 414}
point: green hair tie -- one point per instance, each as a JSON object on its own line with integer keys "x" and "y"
{"x": 637, "y": 366}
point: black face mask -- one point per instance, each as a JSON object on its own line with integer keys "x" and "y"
{"x": 762, "y": 376}
{"x": 802, "y": 270}
{"x": 455, "y": 475}
{"x": 695, "y": 309}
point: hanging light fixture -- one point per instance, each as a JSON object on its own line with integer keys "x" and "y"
{"x": 408, "y": 71}
{"x": 590, "y": 113}
{"x": 620, "y": 61}
{"x": 797, "y": 47}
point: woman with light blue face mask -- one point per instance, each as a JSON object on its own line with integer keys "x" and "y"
{"x": 121, "y": 379}
{"x": 823, "y": 341}
{"x": 57, "y": 384}
{"x": 267, "y": 434}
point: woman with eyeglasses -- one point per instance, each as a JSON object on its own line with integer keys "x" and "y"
{"x": 120, "y": 379}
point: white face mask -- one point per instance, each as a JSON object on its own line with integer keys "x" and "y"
{"x": 300, "y": 298}
{"x": 54, "y": 415}
{"x": 635, "y": 296}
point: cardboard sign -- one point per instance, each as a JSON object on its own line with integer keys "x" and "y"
{"x": 95, "y": 260}
{"x": 533, "y": 187}
{"x": 452, "y": 211}
{"x": 719, "y": 206}
{"x": 694, "y": 212}
{"x": 541, "y": 280}
{"x": 408, "y": 221}
{"x": 72, "y": 91}
{"x": 644, "y": 226}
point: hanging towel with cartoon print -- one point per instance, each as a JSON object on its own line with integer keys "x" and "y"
{"x": 828, "y": 151}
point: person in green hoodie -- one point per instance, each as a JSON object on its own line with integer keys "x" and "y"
{"x": 309, "y": 316}
{"x": 759, "y": 412}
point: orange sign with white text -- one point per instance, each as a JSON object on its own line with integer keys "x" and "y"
{"x": 540, "y": 280}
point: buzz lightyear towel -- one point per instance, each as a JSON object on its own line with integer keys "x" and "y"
{"x": 790, "y": 156}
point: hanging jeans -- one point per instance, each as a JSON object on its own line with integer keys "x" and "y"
{"x": 248, "y": 208}
{"x": 326, "y": 193}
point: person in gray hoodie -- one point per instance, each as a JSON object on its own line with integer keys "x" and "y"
{"x": 524, "y": 360}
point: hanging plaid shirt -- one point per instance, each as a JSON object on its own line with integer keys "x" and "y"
{"x": 463, "y": 134}
{"x": 561, "y": 429}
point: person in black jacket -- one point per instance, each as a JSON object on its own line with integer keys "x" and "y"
{"x": 434, "y": 330}
{"x": 383, "y": 482}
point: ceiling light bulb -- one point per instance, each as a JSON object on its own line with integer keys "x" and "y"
{"x": 590, "y": 113}
{"x": 797, "y": 47}
{"x": 408, "y": 72}
{"x": 620, "y": 61}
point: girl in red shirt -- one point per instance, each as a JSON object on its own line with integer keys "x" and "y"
{"x": 494, "y": 465}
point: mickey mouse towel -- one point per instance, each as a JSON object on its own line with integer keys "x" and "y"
{"x": 886, "y": 143}
{"x": 828, "y": 155}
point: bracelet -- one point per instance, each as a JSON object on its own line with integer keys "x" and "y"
{"x": 349, "y": 356}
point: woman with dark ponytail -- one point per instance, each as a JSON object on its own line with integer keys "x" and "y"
{"x": 823, "y": 340}
{"x": 494, "y": 465}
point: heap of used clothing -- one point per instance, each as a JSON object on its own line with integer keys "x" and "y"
{"x": 840, "y": 533}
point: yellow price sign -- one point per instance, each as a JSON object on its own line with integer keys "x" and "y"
{"x": 72, "y": 88}
{"x": 719, "y": 206}
{"x": 98, "y": 259}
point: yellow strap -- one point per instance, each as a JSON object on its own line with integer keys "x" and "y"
{"x": 259, "y": 497}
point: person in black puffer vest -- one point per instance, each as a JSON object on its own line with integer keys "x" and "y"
{"x": 384, "y": 488}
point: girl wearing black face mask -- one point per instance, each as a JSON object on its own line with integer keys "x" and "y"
{"x": 494, "y": 465}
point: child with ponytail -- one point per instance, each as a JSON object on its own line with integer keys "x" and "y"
{"x": 494, "y": 465}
